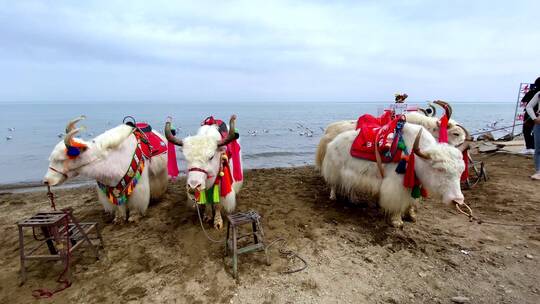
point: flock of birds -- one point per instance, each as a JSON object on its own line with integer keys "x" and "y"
{"x": 301, "y": 130}
{"x": 10, "y": 137}
{"x": 492, "y": 126}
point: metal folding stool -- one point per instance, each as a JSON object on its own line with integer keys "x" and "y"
{"x": 57, "y": 228}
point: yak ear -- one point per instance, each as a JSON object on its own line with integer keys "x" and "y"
{"x": 438, "y": 124}
{"x": 222, "y": 148}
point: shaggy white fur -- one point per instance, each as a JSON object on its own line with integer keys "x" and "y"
{"x": 106, "y": 160}
{"x": 456, "y": 135}
{"x": 355, "y": 177}
{"x": 201, "y": 151}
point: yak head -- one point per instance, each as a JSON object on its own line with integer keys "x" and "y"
{"x": 439, "y": 167}
{"x": 73, "y": 156}
{"x": 68, "y": 155}
{"x": 457, "y": 134}
{"x": 203, "y": 152}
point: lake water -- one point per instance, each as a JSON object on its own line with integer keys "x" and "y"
{"x": 271, "y": 133}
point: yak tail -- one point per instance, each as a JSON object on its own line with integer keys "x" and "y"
{"x": 321, "y": 151}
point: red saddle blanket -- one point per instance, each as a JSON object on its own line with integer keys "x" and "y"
{"x": 375, "y": 130}
{"x": 155, "y": 146}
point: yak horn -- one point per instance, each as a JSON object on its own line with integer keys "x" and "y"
{"x": 467, "y": 134}
{"x": 447, "y": 108}
{"x": 463, "y": 147}
{"x": 71, "y": 124}
{"x": 69, "y": 136}
{"x": 170, "y": 137}
{"x": 423, "y": 111}
{"x": 232, "y": 135}
{"x": 416, "y": 147}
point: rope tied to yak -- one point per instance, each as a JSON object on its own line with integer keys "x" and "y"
{"x": 469, "y": 214}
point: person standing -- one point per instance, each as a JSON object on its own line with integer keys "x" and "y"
{"x": 534, "y": 114}
{"x": 528, "y": 123}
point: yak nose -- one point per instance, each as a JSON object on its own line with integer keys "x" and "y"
{"x": 193, "y": 184}
{"x": 45, "y": 182}
{"x": 458, "y": 201}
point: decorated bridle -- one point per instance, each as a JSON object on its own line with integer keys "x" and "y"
{"x": 60, "y": 172}
{"x": 223, "y": 142}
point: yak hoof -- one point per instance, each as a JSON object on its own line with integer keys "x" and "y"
{"x": 119, "y": 220}
{"x": 333, "y": 195}
{"x": 411, "y": 214}
{"x": 207, "y": 218}
{"x": 396, "y": 222}
{"x": 218, "y": 223}
{"x": 134, "y": 218}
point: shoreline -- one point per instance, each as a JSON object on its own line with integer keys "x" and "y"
{"x": 30, "y": 187}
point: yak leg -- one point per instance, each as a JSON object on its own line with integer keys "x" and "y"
{"x": 208, "y": 216}
{"x": 120, "y": 214}
{"x": 395, "y": 220}
{"x": 394, "y": 199}
{"x": 218, "y": 221}
{"x": 410, "y": 214}
{"x": 332, "y": 193}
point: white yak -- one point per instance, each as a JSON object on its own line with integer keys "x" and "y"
{"x": 107, "y": 158}
{"x": 456, "y": 133}
{"x": 206, "y": 156}
{"x": 438, "y": 167}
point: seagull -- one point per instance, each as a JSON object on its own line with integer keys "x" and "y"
{"x": 9, "y": 137}
{"x": 60, "y": 135}
{"x": 11, "y": 129}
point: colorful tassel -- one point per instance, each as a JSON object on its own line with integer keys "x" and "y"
{"x": 423, "y": 192}
{"x": 465, "y": 174}
{"x": 443, "y": 129}
{"x": 226, "y": 181}
{"x": 416, "y": 192}
{"x": 401, "y": 144}
{"x": 410, "y": 176}
{"x": 216, "y": 194}
{"x": 402, "y": 166}
{"x": 202, "y": 197}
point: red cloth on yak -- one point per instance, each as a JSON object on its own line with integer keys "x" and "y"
{"x": 233, "y": 148}
{"x": 443, "y": 129}
{"x": 374, "y": 130}
{"x": 172, "y": 165}
{"x": 465, "y": 174}
{"x": 158, "y": 146}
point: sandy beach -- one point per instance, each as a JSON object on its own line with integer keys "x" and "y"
{"x": 353, "y": 255}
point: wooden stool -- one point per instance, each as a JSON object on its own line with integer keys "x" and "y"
{"x": 231, "y": 242}
{"x": 57, "y": 227}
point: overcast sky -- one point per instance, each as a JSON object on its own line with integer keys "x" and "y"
{"x": 182, "y": 51}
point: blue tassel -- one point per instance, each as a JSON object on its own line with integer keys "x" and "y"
{"x": 73, "y": 151}
{"x": 401, "y": 167}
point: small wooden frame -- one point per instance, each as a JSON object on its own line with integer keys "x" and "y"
{"x": 231, "y": 242}
{"x": 57, "y": 227}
